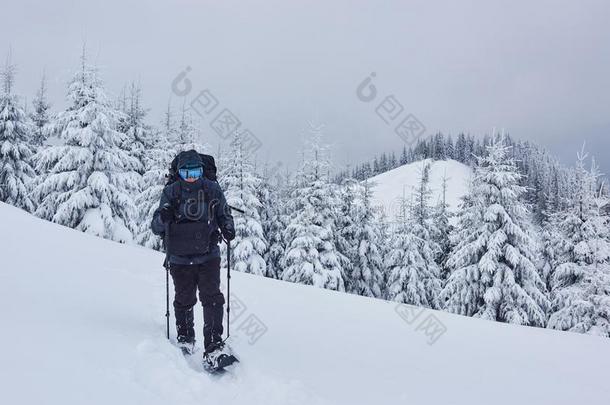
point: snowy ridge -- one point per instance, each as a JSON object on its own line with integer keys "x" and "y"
{"x": 84, "y": 324}
{"x": 390, "y": 186}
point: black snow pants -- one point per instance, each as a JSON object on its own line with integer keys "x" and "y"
{"x": 187, "y": 280}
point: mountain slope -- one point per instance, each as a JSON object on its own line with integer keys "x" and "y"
{"x": 390, "y": 186}
{"x": 83, "y": 323}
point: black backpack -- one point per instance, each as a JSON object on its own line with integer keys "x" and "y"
{"x": 209, "y": 168}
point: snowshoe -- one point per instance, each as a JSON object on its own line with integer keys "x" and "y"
{"x": 217, "y": 357}
{"x": 187, "y": 348}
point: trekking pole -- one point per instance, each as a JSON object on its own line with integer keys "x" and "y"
{"x": 166, "y": 264}
{"x": 167, "y": 299}
{"x": 236, "y": 209}
{"x": 228, "y": 289}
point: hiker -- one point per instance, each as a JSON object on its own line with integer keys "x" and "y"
{"x": 192, "y": 216}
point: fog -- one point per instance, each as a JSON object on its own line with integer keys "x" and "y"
{"x": 539, "y": 70}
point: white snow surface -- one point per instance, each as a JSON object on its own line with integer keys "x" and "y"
{"x": 390, "y": 186}
{"x": 84, "y": 324}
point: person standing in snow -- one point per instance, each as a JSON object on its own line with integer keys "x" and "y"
{"x": 194, "y": 213}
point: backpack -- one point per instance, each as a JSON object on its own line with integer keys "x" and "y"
{"x": 209, "y": 168}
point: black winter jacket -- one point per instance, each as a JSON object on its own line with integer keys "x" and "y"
{"x": 189, "y": 202}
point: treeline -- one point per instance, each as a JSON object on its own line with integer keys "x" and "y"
{"x": 530, "y": 243}
{"x": 546, "y": 180}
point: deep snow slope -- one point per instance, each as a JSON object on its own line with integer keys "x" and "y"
{"x": 390, "y": 186}
{"x": 82, "y": 323}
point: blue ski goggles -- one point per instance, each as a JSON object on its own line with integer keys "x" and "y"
{"x": 191, "y": 172}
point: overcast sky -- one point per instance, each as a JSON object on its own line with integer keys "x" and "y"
{"x": 539, "y": 69}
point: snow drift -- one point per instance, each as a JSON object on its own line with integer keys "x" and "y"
{"x": 83, "y": 323}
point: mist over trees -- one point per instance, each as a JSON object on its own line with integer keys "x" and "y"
{"x": 529, "y": 245}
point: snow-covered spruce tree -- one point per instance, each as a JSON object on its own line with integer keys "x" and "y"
{"x": 138, "y": 134}
{"x": 384, "y": 228}
{"x": 168, "y": 125}
{"x": 151, "y": 155}
{"x": 405, "y": 266}
{"x": 492, "y": 271}
{"x": 427, "y": 234}
{"x": 279, "y": 218}
{"x": 414, "y": 274}
{"x": 367, "y": 277}
{"x": 449, "y": 147}
{"x": 40, "y": 114}
{"x": 240, "y": 185}
{"x": 156, "y": 159}
{"x": 550, "y": 249}
{"x": 442, "y": 228}
{"x": 273, "y": 219}
{"x": 16, "y": 172}
{"x": 311, "y": 255}
{"x": 89, "y": 177}
{"x": 345, "y": 235}
{"x": 187, "y": 135}
{"x": 581, "y": 282}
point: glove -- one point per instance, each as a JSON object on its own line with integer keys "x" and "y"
{"x": 228, "y": 233}
{"x": 166, "y": 214}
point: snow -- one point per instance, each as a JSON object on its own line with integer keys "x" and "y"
{"x": 390, "y": 185}
{"x": 83, "y": 323}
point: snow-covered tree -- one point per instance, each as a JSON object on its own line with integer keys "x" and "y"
{"x": 16, "y": 172}
{"x": 168, "y": 125}
{"x": 240, "y": 185}
{"x": 271, "y": 194}
{"x": 90, "y": 178}
{"x": 311, "y": 255}
{"x": 581, "y": 282}
{"x": 492, "y": 271}
{"x": 550, "y": 249}
{"x": 384, "y": 228}
{"x": 439, "y": 147}
{"x": 159, "y": 152}
{"x": 367, "y": 276}
{"x": 427, "y": 220}
{"x": 449, "y": 148}
{"x": 345, "y": 235}
{"x": 40, "y": 114}
{"x": 409, "y": 273}
{"x": 187, "y": 135}
{"x": 414, "y": 273}
{"x": 442, "y": 228}
{"x": 138, "y": 134}
{"x": 156, "y": 162}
